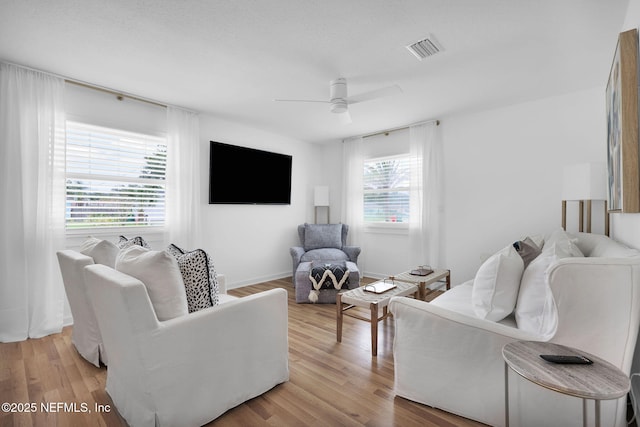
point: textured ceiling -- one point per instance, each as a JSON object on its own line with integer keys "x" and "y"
{"x": 231, "y": 58}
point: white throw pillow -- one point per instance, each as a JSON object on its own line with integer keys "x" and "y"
{"x": 102, "y": 251}
{"x": 563, "y": 242}
{"x": 161, "y": 276}
{"x": 535, "y": 311}
{"x": 495, "y": 287}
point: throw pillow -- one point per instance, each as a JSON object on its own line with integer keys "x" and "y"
{"x": 161, "y": 276}
{"x": 123, "y": 242}
{"x": 535, "y": 311}
{"x": 175, "y": 250}
{"x": 199, "y": 277}
{"x": 332, "y": 275}
{"x": 323, "y": 275}
{"x": 495, "y": 287}
{"x": 102, "y": 251}
{"x": 318, "y": 236}
{"x": 564, "y": 242}
{"x": 527, "y": 249}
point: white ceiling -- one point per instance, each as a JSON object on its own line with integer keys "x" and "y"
{"x": 231, "y": 58}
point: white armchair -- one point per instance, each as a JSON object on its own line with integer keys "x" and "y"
{"x": 85, "y": 334}
{"x": 446, "y": 357}
{"x": 188, "y": 370}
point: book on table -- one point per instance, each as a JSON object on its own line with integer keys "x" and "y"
{"x": 422, "y": 270}
{"x": 379, "y": 287}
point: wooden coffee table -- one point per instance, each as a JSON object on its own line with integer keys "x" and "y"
{"x": 360, "y": 298}
{"x": 424, "y": 281}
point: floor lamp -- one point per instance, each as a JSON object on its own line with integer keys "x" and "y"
{"x": 584, "y": 183}
{"x": 321, "y": 199}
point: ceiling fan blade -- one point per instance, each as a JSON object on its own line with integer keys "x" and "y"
{"x": 345, "y": 118}
{"x": 300, "y": 100}
{"x": 378, "y": 93}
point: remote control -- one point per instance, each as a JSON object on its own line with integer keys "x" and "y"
{"x": 574, "y": 360}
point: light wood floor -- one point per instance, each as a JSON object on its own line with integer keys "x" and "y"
{"x": 331, "y": 383}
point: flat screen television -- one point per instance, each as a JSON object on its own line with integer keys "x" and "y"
{"x": 241, "y": 175}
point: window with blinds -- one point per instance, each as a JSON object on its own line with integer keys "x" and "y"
{"x": 386, "y": 190}
{"x": 114, "y": 178}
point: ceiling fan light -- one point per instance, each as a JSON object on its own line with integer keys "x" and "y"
{"x": 338, "y": 106}
{"x": 338, "y": 88}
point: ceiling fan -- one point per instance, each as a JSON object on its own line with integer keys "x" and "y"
{"x": 339, "y": 101}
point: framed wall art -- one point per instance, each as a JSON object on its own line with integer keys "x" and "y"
{"x": 622, "y": 126}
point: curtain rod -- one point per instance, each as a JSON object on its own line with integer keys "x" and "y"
{"x": 118, "y": 94}
{"x": 386, "y": 132}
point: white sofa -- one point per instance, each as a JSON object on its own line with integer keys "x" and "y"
{"x": 448, "y": 358}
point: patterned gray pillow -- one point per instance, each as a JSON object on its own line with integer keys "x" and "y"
{"x": 199, "y": 277}
{"x": 174, "y": 250}
{"x": 123, "y": 242}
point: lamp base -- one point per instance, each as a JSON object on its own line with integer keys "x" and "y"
{"x": 581, "y": 216}
{"x": 316, "y": 214}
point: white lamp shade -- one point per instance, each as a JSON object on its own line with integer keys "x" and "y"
{"x": 321, "y": 196}
{"x": 586, "y": 181}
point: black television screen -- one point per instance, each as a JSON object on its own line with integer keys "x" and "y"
{"x": 241, "y": 175}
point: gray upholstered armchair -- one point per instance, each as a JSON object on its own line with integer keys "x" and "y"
{"x": 323, "y": 242}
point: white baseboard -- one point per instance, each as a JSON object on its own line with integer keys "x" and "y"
{"x": 256, "y": 280}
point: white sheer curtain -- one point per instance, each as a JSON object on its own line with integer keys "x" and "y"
{"x": 425, "y": 243}
{"x": 183, "y": 197}
{"x": 352, "y": 188}
{"x": 32, "y": 190}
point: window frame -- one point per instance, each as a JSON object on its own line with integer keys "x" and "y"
{"x": 386, "y": 227}
{"x": 105, "y": 230}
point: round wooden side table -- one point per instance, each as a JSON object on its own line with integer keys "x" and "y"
{"x": 598, "y": 381}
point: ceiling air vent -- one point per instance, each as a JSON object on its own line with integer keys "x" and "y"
{"x": 424, "y": 48}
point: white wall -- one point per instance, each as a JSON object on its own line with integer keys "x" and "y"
{"x": 626, "y": 227}
{"x": 250, "y": 243}
{"x": 503, "y": 172}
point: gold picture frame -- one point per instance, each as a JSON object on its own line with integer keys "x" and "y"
{"x": 623, "y": 187}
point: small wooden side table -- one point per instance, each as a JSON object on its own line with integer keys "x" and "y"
{"x": 598, "y": 381}
{"x": 424, "y": 281}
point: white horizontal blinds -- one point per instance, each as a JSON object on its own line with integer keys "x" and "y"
{"x": 386, "y": 190}
{"x": 114, "y": 178}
